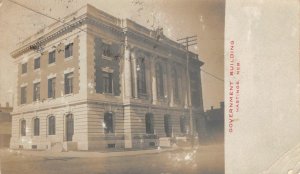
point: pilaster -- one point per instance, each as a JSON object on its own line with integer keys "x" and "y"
{"x": 153, "y": 74}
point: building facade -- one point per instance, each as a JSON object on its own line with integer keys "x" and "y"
{"x": 215, "y": 124}
{"x": 95, "y": 82}
{"x": 5, "y": 125}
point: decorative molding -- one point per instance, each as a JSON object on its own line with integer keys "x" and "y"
{"x": 36, "y": 81}
{"x": 51, "y": 75}
{"x": 47, "y": 37}
{"x": 23, "y": 85}
{"x": 107, "y": 69}
{"x": 69, "y": 70}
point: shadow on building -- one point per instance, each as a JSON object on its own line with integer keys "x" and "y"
{"x": 5, "y": 125}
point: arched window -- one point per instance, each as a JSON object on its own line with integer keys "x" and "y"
{"x": 36, "y": 127}
{"x": 168, "y": 125}
{"x": 51, "y": 125}
{"x": 23, "y": 127}
{"x": 183, "y": 124}
{"x": 175, "y": 84}
{"x": 141, "y": 76}
{"x": 108, "y": 123}
{"x": 159, "y": 80}
{"x": 149, "y": 123}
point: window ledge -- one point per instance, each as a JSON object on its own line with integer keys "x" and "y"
{"x": 68, "y": 58}
{"x": 68, "y": 95}
{"x": 36, "y": 101}
{"x": 51, "y": 64}
{"x": 109, "y": 134}
{"x": 37, "y": 69}
{"x": 51, "y": 135}
{"x": 108, "y": 94}
{"x": 107, "y": 57}
{"x": 50, "y": 99}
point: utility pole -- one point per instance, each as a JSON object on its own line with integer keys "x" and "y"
{"x": 187, "y": 42}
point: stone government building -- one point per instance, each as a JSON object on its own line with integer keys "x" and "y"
{"x": 94, "y": 82}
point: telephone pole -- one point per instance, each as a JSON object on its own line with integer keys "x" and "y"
{"x": 187, "y": 42}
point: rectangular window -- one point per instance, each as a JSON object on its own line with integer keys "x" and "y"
{"x": 168, "y": 125}
{"x": 107, "y": 82}
{"x": 36, "y": 91}
{"x": 24, "y": 68}
{"x": 107, "y": 50}
{"x": 51, "y": 88}
{"x": 108, "y": 123}
{"x": 51, "y": 57}
{"x": 36, "y": 130}
{"x": 149, "y": 123}
{"x": 51, "y": 128}
{"x": 183, "y": 124}
{"x": 141, "y": 76}
{"x": 23, "y": 127}
{"x": 23, "y": 95}
{"x": 69, "y": 83}
{"x": 37, "y": 63}
{"x": 69, "y": 50}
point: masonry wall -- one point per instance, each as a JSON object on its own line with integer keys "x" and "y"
{"x": 61, "y": 66}
{"x": 44, "y": 140}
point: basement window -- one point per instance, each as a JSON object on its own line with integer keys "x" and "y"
{"x": 110, "y": 146}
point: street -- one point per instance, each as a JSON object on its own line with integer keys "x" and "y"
{"x": 201, "y": 160}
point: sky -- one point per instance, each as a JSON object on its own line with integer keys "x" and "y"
{"x": 178, "y": 18}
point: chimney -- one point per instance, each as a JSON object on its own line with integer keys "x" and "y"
{"x": 222, "y": 104}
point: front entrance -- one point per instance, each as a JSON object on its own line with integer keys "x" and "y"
{"x": 69, "y": 127}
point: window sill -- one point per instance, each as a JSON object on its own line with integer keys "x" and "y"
{"x": 37, "y": 69}
{"x": 107, "y": 57}
{"x": 51, "y": 64}
{"x": 109, "y": 134}
{"x": 108, "y": 94}
{"x": 142, "y": 95}
{"x": 68, "y": 95}
{"x": 68, "y": 58}
{"x": 50, "y": 98}
{"x": 37, "y": 101}
{"x": 51, "y": 135}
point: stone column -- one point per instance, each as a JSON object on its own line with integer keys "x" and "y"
{"x": 127, "y": 74}
{"x": 134, "y": 75}
{"x": 127, "y": 96}
{"x": 153, "y": 74}
{"x": 170, "y": 87}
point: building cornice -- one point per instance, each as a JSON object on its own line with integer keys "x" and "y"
{"x": 90, "y": 15}
{"x": 47, "y": 37}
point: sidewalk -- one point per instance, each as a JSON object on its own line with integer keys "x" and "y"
{"x": 89, "y": 154}
{"x": 97, "y": 154}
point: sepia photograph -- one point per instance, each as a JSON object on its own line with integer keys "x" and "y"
{"x": 108, "y": 87}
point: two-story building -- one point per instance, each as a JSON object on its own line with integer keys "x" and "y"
{"x": 93, "y": 81}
